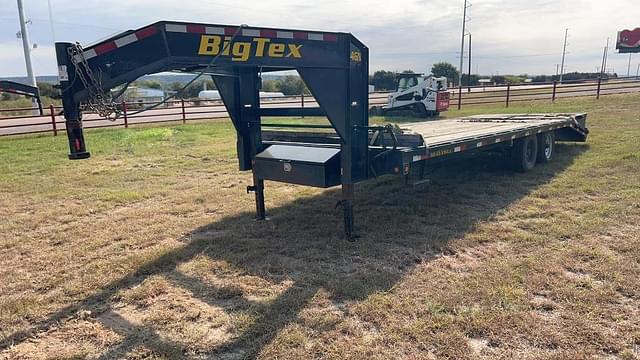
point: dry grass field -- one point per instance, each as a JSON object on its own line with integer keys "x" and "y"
{"x": 149, "y": 250}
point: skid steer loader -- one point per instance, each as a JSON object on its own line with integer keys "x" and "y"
{"x": 416, "y": 94}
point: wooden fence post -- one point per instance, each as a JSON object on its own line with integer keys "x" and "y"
{"x": 508, "y": 93}
{"x": 598, "y": 89}
{"x": 184, "y": 114}
{"x": 553, "y": 96}
{"x": 459, "y": 96}
{"x": 52, "y": 110}
{"x": 124, "y": 113}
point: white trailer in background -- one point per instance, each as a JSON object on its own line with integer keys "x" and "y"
{"x": 215, "y": 95}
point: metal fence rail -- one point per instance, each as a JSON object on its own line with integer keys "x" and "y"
{"x": 16, "y": 121}
{"x": 550, "y": 91}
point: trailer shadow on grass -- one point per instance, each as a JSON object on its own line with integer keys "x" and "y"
{"x": 301, "y": 246}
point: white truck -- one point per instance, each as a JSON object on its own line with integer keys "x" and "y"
{"x": 425, "y": 95}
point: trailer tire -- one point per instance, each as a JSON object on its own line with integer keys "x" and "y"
{"x": 546, "y": 147}
{"x": 524, "y": 153}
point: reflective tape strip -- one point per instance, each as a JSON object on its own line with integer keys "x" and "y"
{"x": 126, "y": 40}
{"x": 330, "y": 37}
{"x": 89, "y": 54}
{"x": 230, "y": 31}
{"x": 146, "y": 32}
{"x": 214, "y": 30}
{"x": 268, "y": 33}
{"x": 299, "y": 35}
{"x": 196, "y": 29}
{"x": 250, "y": 32}
{"x": 284, "y": 34}
{"x": 118, "y": 43}
{"x": 176, "y": 28}
{"x": 105, "y": 47}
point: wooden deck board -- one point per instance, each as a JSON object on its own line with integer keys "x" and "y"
{"x": 454, "y": 130}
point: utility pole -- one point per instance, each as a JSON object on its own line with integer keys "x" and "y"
{"x": 557, "y": 71}
{"x": 604, "y": 59}
{"x": 53, "y": 30}
{"x": 469, "y": 76}
{"x": 564, "y": 51}
{"x": 464, "y": 24}
{"x": 26, "y": 46}
{"x": 629, "y": 66}
{"x": 637, "y": 71}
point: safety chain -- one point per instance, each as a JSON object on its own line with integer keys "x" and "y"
{"x": 100, "y": 102}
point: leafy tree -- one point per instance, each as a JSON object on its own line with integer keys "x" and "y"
{"x": 447, "y": 70}
{"x": 148, "y": 84}
{"x": 512, "y": 79}
{"x": 470, "y": 80}
{"x": 48, "y": 90}
{"x": 289, "y": 85}
{"x": 383, "y": 80}
{"x": 270, "y": 86}
{"x": 175, "y": 86}
{"x": 539, "y": 79}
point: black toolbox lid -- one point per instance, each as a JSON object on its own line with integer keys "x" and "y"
{"x": 307, "y": 154}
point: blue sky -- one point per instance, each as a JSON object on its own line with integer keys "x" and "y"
{"x": 508, "y": 36}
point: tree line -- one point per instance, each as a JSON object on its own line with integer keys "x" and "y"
{"x": 385, "y": 80}
{"x": 382, "y": 80}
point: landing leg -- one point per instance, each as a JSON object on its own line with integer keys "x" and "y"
{"x": 258, "y": 188}
{"x": 347, "y": 206}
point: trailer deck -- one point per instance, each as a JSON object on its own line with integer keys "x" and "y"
{"x": 450, "y": 136}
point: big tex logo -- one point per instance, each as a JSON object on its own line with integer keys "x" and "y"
{"x": 242, "y": 50}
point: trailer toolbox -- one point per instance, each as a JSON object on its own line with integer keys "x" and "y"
{"x": 299, "y": 164}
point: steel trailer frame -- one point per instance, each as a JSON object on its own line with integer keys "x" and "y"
{"x": 17, "y": 88}
{"x": 334, "y": 66}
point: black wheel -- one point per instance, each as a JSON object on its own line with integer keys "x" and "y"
{"x": 546, "y": 147}
{"x": 375, "y": 111}
{"x": 524, "y": 153}
{"x": 421, "y": 110}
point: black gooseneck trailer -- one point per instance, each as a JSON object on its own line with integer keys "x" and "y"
{"x": 335, "y": 68}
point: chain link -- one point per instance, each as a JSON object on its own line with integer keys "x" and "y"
{"x": 99, "y": 101}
